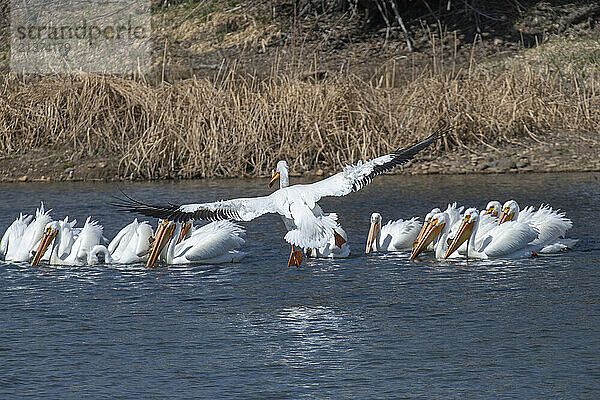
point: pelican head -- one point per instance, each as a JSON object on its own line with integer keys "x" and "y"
{"x": 425, "y": 225}
{"x": 99, "y": 254}
{"x": 373, "y": 230}
{"x": 464, "y": 231}
{"x": 493, "y": 208}
{"x": 434, "y": 228}
{"x": 280, "y": 170}
{"x": 510, "y": 211}
{"x": 50, "y": 232}
{"x": 164, "y": 233}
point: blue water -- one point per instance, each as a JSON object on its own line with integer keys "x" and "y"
{"x": 374, "y": 326}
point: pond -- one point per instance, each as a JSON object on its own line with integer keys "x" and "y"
{"x": 376, "y": 326}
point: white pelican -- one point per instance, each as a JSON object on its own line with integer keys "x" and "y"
{"x": 130, "y": 245}
{"x": 453, "y": 215}
{"x": 214, "y": 243}
{"x": 394, "y": 236}
{"x": 294, "y": 202}
{"x": 551, "y": 225}
{"x": 56, "y": 234}
{"x": 12, "y": 236}
{"x": 508, "y": 240}
{"x": 66, "y": 240}
{"x": 424, "y": 227}
{"x": 31, "y": 236}
{"x": 337, "y": 247}
{"x": 493, "y": 208}
{"x": 436, "y": 233}
{"x": 99, "y": 254}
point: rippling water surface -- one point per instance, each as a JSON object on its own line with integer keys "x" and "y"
{"x": 374, "y": 326}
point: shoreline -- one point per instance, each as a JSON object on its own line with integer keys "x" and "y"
{"x": 567, "y": 152}
{"x": 309, "y": 176}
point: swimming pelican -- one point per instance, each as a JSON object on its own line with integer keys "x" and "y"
{"x": 508, "y": 240}
{"x": 436, "y": 233}
{"x": 214, "y": 243}
{"x": 130, "y": 245}
{"x": 337, "y": 247}
{"x": 12, "y": 236}
{"x": 99, "y": 254}
{"x": 394, "y": 236}
{"x": 56, "y": 234}
{"x": 294, "y": 202}
{"x": 552, "y": 225}
{"x": 66, "y": 240}
{"x": 31, "y": 236}
{"x": 453, "y": 215}
{"x": 493, "y": 208}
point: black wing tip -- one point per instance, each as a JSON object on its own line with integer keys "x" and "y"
{"x": 129, "y": 204}
{"x": 423, "y": 144}
{"x": 170, "y": 211}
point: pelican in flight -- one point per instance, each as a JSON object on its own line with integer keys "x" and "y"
{"x": 60, "y": 233}
{"x": 296, "y": 202}
{"x": 214, "y": 243}
{"x": 337, "y": 246}
{"x": 394, "y": 236}
{"x": 509, "y": 240}
{"x": 552, "y": 225}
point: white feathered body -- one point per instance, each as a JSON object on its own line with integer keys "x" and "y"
{"x": 89, "y": 237}
{"x": 214, "y": 243}
{"x": 131, "y": 244}
{"x": 397, "y": 235}
{"x": 31, "y": 236}
{"x": 551, "y": 224}
{"x": 11, "y": 240}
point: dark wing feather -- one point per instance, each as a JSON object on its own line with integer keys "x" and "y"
{"x": 244, "y": 209}
{"x": 355, "y": 177}
{"x": 398, "y": 157}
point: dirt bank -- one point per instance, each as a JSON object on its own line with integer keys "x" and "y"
{"x": 567, "y": 153}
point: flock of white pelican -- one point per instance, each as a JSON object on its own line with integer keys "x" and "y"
{"x": 33, "y": 240}
{"x": 497, "y": 231}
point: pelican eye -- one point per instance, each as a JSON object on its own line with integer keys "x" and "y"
{"x": 48, "y": 230}
{"x": 434, "y": 221}
{"x": 467, "y": 218}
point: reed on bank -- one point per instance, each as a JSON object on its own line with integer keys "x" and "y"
{"x": 237, "y": 126}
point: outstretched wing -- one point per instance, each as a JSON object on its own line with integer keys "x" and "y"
{"x": 243, "y": 209}
{"x": 352, "y": 178}
{"x": 355, "y": 177}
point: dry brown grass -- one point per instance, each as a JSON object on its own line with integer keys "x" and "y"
{"x": 239, "y": 126}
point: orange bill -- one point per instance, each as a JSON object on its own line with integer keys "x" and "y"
{"x": 431, "y": 232}
{"x": 184, "y": 230}
{"x": 164, "y": 232}
{"x": 373, "y": 230}
{"x": 48, "y": 237}
{"x": 464, "y": 233}
{"x": 274, "y": 179}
